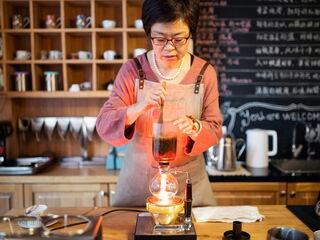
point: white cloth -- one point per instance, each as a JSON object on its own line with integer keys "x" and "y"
{"x": 228, "y": 214}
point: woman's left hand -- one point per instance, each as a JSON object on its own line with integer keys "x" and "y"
{"x": 187, "y": 126}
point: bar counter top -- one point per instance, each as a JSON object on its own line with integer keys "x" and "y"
{"x": 121, "y": 225}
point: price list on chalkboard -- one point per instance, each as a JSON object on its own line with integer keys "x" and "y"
{"x": 268, "y": 48}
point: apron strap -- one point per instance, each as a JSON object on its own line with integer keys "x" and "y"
{"x": 142, "y": 76}
{"x": 200, "y": 77}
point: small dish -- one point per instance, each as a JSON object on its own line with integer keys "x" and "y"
{"x": 36, "y": 210}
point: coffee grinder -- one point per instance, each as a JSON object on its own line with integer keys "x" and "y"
{"x": 169, "y": 216}
{"x": 5, "y": 131}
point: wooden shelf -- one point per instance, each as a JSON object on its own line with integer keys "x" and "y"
{"x": 56, "y": 94}
{"x": 69, "y": 40}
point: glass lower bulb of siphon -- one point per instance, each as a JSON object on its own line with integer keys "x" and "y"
{"x": 164, "y": 186}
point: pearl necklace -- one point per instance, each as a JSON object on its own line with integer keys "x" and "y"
{"x": 160, "y": 74}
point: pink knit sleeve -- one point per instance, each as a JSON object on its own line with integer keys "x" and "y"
{"x": 211, "y": 118}
{"x": 111, "y": 119}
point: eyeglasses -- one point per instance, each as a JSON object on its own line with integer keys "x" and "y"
{"x": 177, "y": 42}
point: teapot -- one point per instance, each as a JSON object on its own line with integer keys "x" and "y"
{"x": 225, "y": 152}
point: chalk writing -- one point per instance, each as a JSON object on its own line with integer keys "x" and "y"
{"x": 252, "y": 112}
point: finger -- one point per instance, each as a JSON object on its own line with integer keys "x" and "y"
{"x": 178, "y": 121}
{"x": 182, "y": 120}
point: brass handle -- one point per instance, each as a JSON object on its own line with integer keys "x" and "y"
{"x": 283, "y": 193}
{"x": 292, "y": 194}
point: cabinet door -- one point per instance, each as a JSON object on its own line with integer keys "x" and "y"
{"x": 11, "y": 196}
{"x": 303, "y": 193}
{"x": 67, "y": 195}
{"x": 248, "y": 193}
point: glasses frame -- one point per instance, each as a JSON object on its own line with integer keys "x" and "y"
{"x": 171, "y": 40}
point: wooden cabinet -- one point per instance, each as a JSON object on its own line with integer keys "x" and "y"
{"x": 67, "y": 195}
{"x": 303, "y": 193}
{"x": 11, "y": 196}
{"x": 38, "y": 39}
{"x": 262, "y": 193}
{"x": 249, "y": 193}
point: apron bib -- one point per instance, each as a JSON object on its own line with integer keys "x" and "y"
{"x": 139, "y": 165}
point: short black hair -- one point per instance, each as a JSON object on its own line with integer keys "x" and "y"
{"x": 165, "y": 11}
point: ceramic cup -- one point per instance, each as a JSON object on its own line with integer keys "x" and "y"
{"x": 316, "y": 235}
{"x": 109, "y": 55}
{"x": 138, "y": 23}
{"x": 84, "y": 55}
{"x": 52, "y": 21}
{"x": 108, "y": 23}
{"x": 43, "y": 54}
{"x": 83, "y": 21}
{"x": 23, "y": 55}
{"x": 74, "y": 88}
{"x": 18, "y": 21}
{"x": 55, "y": 54}
{"x": 138, "y": 51}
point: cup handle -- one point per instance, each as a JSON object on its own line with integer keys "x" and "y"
{"x": 274, "y": 136}
{"x": 58, "y": 22}
{"x": 89, "y": 21}
{"x": 26, "y": 22}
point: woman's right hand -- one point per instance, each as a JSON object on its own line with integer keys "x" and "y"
{"x": 153, "y": 98}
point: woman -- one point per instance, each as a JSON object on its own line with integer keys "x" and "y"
{"x": 127, "y": 116}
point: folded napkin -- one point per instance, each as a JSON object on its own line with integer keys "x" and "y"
{"x": 228, "y": 214}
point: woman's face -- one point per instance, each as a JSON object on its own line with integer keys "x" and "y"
{"x": 170, "y": 53}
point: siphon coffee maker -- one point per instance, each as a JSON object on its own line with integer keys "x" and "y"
{"x": 169, "y": 215}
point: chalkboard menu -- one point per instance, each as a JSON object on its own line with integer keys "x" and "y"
{"x": 267, "y": 56}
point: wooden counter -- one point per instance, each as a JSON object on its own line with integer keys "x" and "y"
{"x": 59, "y": 174}
{"x": 120, "y": 225}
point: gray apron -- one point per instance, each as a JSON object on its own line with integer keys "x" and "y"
{"x": 139, "y": 165}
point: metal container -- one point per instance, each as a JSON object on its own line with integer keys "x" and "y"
{"x": 51, "y": 80}
{"x": 286, "y": 233}
{"x": 21, "y": 81}
{"x": 225, "y": 154}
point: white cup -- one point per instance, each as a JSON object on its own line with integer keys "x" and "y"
{"x": 23, "y": 55}
{"x": 84, "y": 55}
{"x": 258, "y": 147}
{"x": 109, "y": 55}
{"x": 138, "y": 23}
{"x": 108, "y": 23}
{"x": 316, "y": 235}
{"x": 74, "y": 88}
{"x": 138, "y": 51}
{"x": 55, "y": 54}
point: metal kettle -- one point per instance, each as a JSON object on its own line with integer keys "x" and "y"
{"x": 224, "y": 155}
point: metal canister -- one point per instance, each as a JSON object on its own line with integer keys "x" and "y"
{"x": 21, "y": 81}
{"x": 51, "y": 80}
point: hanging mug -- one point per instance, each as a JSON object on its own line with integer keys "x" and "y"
{"x": 18, "y": 21}
{"x": 52, "y": 21}
{"x": 83, "y": 21}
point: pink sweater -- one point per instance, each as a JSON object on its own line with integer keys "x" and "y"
{"x": 111, "y": 119}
